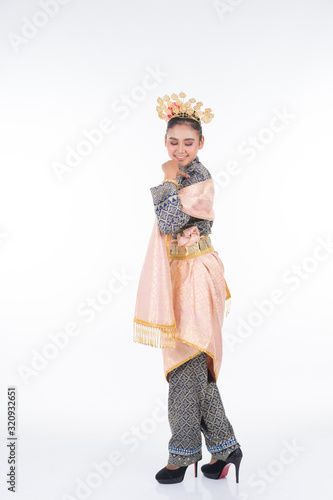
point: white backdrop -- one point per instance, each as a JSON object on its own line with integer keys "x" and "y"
{"x": 81, "y": 144}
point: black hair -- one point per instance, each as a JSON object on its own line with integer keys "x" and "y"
{"x": 178, "y": 120}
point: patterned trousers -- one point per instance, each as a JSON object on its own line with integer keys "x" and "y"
{"x": 195, "y": 407}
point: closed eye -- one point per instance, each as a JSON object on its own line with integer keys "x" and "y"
{"x": 175, "y": 144}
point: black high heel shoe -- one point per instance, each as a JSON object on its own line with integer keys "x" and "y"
{"x": 171, "y": 476}
{"x": 220, "y": 468}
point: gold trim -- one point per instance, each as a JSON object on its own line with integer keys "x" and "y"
{"x": 179, "y": 364}
{"x": 228, "y": 294}
{"x": 201, "y": 252}
{"x": 195, "y": 347}
{"x": 167, "y": 243}
{"x": 155, "y": 325}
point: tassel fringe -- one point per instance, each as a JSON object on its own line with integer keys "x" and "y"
{"x": 227, "y": 299}
{"x": 227, "y": 306}
{"x": 154, "y": 336}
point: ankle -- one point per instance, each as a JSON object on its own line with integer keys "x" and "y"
{"x": 171, "y": 467}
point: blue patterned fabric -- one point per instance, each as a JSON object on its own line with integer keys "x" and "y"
{"x": 167, "y": 206}
{"x": 195, "y": 407}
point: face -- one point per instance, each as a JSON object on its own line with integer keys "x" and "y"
{"x": 182, "y": 143}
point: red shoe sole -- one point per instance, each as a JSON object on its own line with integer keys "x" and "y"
{"x": 225, "y": 471}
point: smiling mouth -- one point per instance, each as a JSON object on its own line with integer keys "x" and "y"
{"x": 180, "y": 157}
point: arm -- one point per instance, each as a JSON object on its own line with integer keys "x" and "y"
{"x": 168, "y": 209}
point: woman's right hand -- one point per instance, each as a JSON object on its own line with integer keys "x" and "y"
{"x": 171, "y": 170}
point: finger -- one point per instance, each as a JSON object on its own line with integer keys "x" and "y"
{"x": 184, "y": 174}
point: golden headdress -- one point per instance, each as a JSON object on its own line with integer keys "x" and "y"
{"x": 171, "y": 107}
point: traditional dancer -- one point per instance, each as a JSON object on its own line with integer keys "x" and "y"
{"x": 183, "y": 297}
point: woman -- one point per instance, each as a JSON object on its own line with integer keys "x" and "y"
{"x": 182, "y": 298}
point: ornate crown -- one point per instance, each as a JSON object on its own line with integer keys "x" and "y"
{"x": 168, "y": 109}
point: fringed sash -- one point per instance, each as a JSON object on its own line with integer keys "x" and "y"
{"x": 154, "y": 320}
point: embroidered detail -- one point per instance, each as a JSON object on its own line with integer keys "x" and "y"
{"x": 222, "y": 446}
{"x": 184, "y": 452}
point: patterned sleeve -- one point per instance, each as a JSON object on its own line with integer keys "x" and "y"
{"x": 168, "y": 208}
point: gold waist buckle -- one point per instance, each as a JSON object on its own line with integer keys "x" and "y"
{"x": 204, "y": 245}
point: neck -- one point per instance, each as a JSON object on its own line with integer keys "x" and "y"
{"x": 196, "y": 159}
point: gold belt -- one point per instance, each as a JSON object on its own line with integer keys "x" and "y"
{"x": 200, "y": 247}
